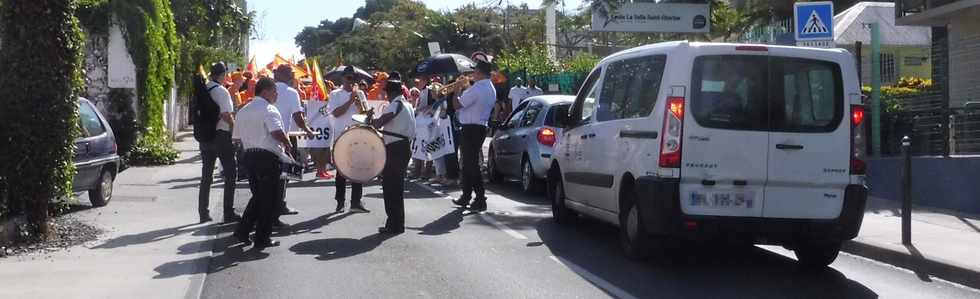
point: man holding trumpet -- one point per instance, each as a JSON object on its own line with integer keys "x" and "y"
{"x": 344, "y": 103}
{"x": 473, "y": 109}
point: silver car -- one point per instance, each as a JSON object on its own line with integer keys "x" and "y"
{"x": 522, "y": 146}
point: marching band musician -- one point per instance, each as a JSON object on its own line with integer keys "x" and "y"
{"x": 397, "y": 124}
{"x": 260, "y": 129}
{"x": 291, "y": 109}
{"x": 473, "y": 110}
{"x": 343, "y": 108}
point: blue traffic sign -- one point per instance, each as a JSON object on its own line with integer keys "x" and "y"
{"x": 814, "y": 20}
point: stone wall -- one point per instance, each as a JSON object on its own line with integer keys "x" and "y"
{"x": 96, "y": 70}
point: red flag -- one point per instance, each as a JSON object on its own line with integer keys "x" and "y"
{"x": 251, "y": 66}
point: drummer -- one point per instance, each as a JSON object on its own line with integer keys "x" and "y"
{"x": 398, "y": 127}
{"x": 343, "y": 108}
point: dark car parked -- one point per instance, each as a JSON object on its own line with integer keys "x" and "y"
{"x": 522, "y": 147}
{"x": 96, "y": 158}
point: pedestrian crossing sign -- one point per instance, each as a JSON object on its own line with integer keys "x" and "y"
{"x": 814, "y": 20}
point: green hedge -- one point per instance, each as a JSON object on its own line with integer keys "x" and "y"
{"x": 39, "y": 92}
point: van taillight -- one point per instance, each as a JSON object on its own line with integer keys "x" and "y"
{"x": 670, "y": 145}
{"x": 857, "y": 115}
{"x": 858, "y": 167}
{"x": 546, "y": 136}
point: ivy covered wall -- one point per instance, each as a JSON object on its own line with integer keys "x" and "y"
{"x": 151, "y": 37}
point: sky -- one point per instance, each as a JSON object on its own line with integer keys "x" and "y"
{"x": 278, "y": 21}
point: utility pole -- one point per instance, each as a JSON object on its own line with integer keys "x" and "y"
{"x": 875, "y": 89}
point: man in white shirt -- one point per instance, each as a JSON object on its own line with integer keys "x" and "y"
{"x": 293, "y": 118}
{"x": 342, "y": 106}
{"x": 473, "y": 110}
{"x": 261, "y": 131}
{"x": 517, "y": 93}
{"x": 397, "y": 124}
{"x": 219, "y": 148}
{"x": 533, "y": 89}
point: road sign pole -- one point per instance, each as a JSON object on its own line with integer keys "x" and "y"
{"x": 875, "y": 90}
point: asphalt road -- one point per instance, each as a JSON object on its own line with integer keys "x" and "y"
{"x": 515, "y": 250}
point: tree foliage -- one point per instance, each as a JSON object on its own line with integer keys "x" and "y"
{"x": 39, "y": 90}
{"x": 151, "y": 38}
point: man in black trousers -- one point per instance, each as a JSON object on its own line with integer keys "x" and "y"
{"x": 397, "y": 124}
{"x": 473, "y": 109}
{"x": 220, "y": 147}
{"x": 261, "y": 132}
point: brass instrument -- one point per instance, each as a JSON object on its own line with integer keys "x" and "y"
{"x": 444, "y": 90}
{"x": 362, "y": 107}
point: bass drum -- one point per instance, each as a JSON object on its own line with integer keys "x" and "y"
{"x": 359, "y": 154}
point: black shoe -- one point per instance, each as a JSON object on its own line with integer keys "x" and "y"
{"x": 391, "y": 230}
{"x": 243, "y": 238}
{"x": 462, "y": 202}
{"x": 205, "y": 219}
{"x": 340, "y": 207}
{"x": 279, "y": 224}
{"x": 265, "y": 244}
{"x": 288, "y": 211}
{"x": 359, "y": 209}
{"x": 479, "y": 205}
{"x": 232, "y": 218}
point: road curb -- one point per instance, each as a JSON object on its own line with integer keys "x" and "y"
{"x": 912, "y": 260}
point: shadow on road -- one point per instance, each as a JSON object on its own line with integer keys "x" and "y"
{"x": 443, "y": 225}
{"x": 151, "y": 236}
{"x": 338, "y": 248}
{"x": 312, "y": 224}
{"x": 723, "y": 270}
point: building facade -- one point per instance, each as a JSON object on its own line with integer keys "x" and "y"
{"x": 956, "y": 43}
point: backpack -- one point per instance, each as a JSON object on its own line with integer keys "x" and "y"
{"x": 204, "y": 111}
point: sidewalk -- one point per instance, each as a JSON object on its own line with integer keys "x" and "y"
{"x": 945, "y": 244}
{"x": 153, "y": 246}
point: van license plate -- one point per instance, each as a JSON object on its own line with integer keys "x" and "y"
{"x": 723, "y": 199}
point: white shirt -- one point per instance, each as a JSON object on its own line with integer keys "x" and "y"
{"x": 256, "y": 121}
{"x": 338, "y": 98}
{"x": 534, "y": 91}
{"x": 516, "y": 95}
{"x": 221, "y": 97}
{"x": 403, "y": 123}
{"x": 477, "y": 103}
{"x": 288, "y": 104}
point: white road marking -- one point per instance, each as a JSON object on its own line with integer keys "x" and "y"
{"x": 502, "y": 227}
{"x": 601, "y": 283}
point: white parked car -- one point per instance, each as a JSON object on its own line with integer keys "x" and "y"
{"x": 711, "y": 140}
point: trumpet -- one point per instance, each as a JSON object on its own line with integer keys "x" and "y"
{"x": 443, "y": 90}
{"x": 362, "y": 107}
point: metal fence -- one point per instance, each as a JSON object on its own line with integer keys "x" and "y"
{"x": 934, "y": 132}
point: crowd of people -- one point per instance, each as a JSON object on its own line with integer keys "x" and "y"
{"x": 271, "y": 118}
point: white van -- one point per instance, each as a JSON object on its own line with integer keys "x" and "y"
{"x": 755, "y": 143}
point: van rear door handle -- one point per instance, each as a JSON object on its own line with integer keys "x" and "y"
{"x": 708, "y": 182}
{"x": 740, "y": 182}
{"x": 789, "y": 146}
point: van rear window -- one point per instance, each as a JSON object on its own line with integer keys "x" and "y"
{"x": 743, "y": 92}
